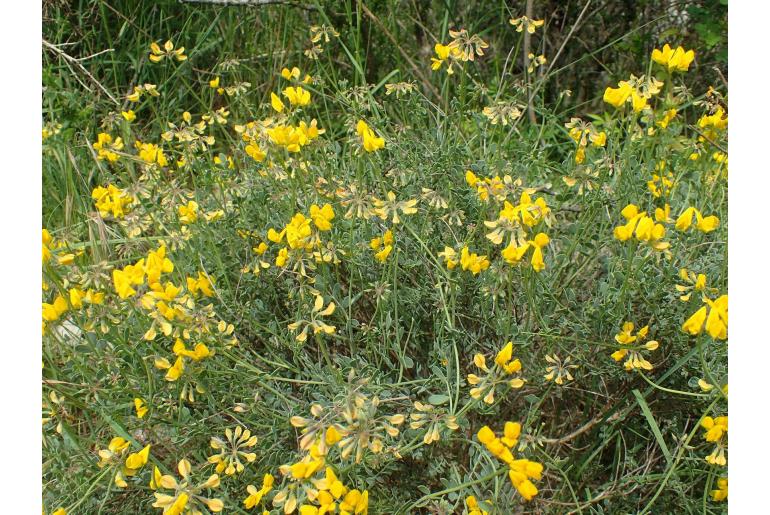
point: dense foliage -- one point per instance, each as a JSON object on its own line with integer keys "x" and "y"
{"x": 384, "y": 257}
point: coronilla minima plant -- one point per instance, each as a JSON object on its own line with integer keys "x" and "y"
{"x": 383, "y": 257}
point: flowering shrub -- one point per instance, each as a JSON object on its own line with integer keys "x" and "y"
{"x": 278, "y": 288}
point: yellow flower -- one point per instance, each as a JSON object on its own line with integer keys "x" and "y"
{"x": 106, "y": 148}
{"x": 642, "y": 227}
{"x": 255, "y": 496}
{"x": 473, "y": 506}
{"x": 674, "y": 60}
{"x": 719, "y": 494}
{"x": 473, "y": 262}
{"x": 370, "y": 141}
{"x": 290, "y": 74}
{"x": 703, "y": 224}
{"x": 151, "y": 153}
{"x": 157, "y": 54}
{"x": 382, "y": 246}
{"x": 232, "y": 449}
{"x": 632, "y": 347}
{"x": 716, "y": 433}
{"x": 524, "y": 23}
{"x": 322, "y": 216}
{"x": 386, "y": 208}
{"x": 188, "y": 213}
{"x": 712, "y": 316}
{"x": 618, "y": 96}
{"x": 521, "y": 471}
{"x": 141, "y": 407}
{"x": 111, "y": 201}
{"x": 129, "y": 115}
{"x": 297, "y": 96}
{"x": 667, "y": 117}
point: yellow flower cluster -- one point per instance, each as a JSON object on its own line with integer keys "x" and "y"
{"x": 643, "y": 228}
{"x": 467, "y": 260}
{"x": 157, "y": 54}
{"x": 504, "y": 367}
{"x": 314, "y": 489}
{"x": 712, "y": 317}
{"x": 716, "y": 433}
{"x": 632, "y": 347}
{"x": 703, "y": 224}
{"x": 369, "y": 140}
{"x": 107, "y": 148}
{"x": 521, "y": 471}
{"x": 382, "y": 246}
{"x": 232, "y": 449}
{"x": 111, "y": 201}
{"x": 186, "y": 496}
{"x": 126, "y": 464}
{"x": 636, "y": 90}
{"x": 674, "y": 60}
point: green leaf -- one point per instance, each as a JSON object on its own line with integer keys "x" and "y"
{"x": 653, "y": 425}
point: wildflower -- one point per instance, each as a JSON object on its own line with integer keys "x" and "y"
{"x": 661, "y": 183}
{"x": 315, "y": 323}
{"x": 382, "y": 246}
{"x": 584, "y": 178}
{"x": 559, "y": 369}
{"x": 124, "y": 279}
{"x": 521, "y": 471}
{"x": 717, "y": 120}
{"x": 504, "y": 367}
{"x": 323, "y": 31}
{"x": 157, "y": 54}
{"x": 391, "y": 207}
{"x": 673, "y": 60}
{"x": 669, "y": 115}
{"x": 617, "y": 96}
{"x": 444, "y": 53}
{"x": 473, "y": 506}
{"x": 151, "y": 153}
{"x": 703, "y": 224}
{"x": 467, "y": 46}
{"x": 232, "y": 450}
{"x": 524, "y": 23}
{"x": 141, "y": 407}
{"x": 712, "y": 316}
{"x": 200, "y": 285}
{"x": 126, "y": 464}
{"x": 632, "y": 347}
{"x": 276, "y": 103}
{"x": 297, "y": 96}
{"x": 129, "y": 115}
{"x": 400, "y": 88}
{"x": 692, "y": 283}
{"x": 370, "y": 141}
{"x": 188, "y": 213}
{"x": 107, "y": 148}
{"x": 255, "y": 496}
{"x": 502, "y": 113}
{"x": 290, "y": 74}
{"x": 720, "y": 493}
{"x": 186, "y": 494}
{"x": 433, "y": 419}
{"x": 642, "y": 227}
{"x": 111, "y": 201}
{"x": 322, "y": 216}
{"x": 716, "y": 433}
{"x": 467, "y": 260}
{"x": 636, "y": 89}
